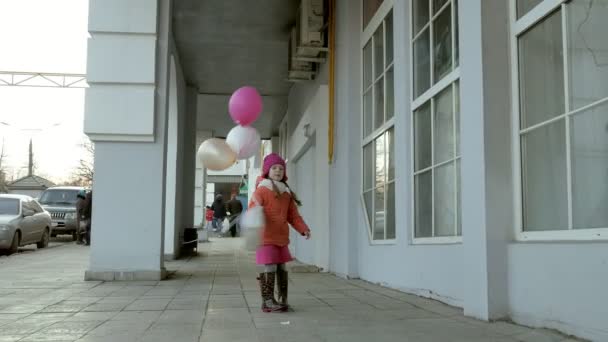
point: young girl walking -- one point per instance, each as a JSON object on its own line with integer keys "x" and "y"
{"x": 280, "y": 209}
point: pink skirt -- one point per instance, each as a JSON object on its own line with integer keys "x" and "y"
{"x": 271, "y": 254}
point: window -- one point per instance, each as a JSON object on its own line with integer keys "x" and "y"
{"x": 25, "y": 206}
{"x": 9, "y": 206}
{"x": 58, "y": 196}
{"x": 370, "y": 7}
{"x": 561, "y": 121}
{"x": 35, "y": 206}
{"x": 378, "y": 188}
{"x": 283, "y": 139}
{"x": 435, "y": 121}
{"x": 524, "y": 6}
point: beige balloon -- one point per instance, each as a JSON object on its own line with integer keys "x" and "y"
{"x": 216, "y": 155}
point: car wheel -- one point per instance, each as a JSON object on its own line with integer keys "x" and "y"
{"x": 44, "y": 241}
{"x": 15, "y": 245}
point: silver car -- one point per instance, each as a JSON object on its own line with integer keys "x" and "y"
{"x": 22, "y": 222}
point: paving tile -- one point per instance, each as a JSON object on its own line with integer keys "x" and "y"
{"x": 215, "y": 297}
{"x": 237, "y": 334}
{"x": 148, "y": 305}
{"x": 11, "y": 338}
{"x": 540, "y": 335}
{"x": 24, "y": 308}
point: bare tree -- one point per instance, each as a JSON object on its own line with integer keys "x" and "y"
{"x": 83, "y": 175}
{"x": 3, "y": 181}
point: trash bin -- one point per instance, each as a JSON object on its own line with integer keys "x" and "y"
{"x": 190, "y": 240}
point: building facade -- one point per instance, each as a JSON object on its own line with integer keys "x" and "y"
{"x": 468, "y": 142}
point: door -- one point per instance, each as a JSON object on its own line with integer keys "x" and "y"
{"x": 28, "y": 223}
{"x": 305, "y": 189}
{"x": 40, "y": 222}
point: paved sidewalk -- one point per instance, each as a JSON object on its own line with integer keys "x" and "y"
{"x": 214, "y": 297}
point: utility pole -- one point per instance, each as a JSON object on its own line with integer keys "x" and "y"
{"x": 30, "y": 168}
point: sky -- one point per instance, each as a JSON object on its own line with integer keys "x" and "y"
{"x": 43, "y": 36}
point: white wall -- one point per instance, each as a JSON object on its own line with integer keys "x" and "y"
{"x": 121, "y": 71}
{"x": 553, "y": 284}
{"x": 561, "y": 286}
{"x": 434, "y": 271}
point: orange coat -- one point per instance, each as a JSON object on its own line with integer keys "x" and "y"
{"x": 278, "y": 211}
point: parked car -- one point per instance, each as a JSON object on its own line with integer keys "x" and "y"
{"x": 60, "y": 202}
{"x": 22, "y": 222}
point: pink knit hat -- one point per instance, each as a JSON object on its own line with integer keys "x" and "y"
{"x": 271, "y": 160}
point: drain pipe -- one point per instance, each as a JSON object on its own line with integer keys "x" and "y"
{"x": 332, "y": 64}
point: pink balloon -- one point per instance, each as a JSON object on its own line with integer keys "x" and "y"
{"x": 245, "y": 105}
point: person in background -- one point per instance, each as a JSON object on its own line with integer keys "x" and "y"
{"x": 235, "y": 208}
{"x": 88, "y": 215}
{"x": 80, "y": 204}
{"x": 219, "y": 212}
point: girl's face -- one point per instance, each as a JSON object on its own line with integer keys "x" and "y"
{"x": 276, "y": 173}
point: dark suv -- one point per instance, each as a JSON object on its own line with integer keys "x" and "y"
{"x": 60, "y": 202}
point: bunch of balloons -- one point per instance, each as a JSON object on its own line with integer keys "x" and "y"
{"x": 243, "y": 141}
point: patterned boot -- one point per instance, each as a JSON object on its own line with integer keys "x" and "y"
{"x": 282, "y": 285}
{"x": 269, "y": 304}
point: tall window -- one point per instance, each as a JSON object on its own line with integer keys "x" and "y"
{"x": 435, "y": 121}
{"x": 561, "y": 121}
{"x": 283, "y": 138}
{"x": 378, "y": 188}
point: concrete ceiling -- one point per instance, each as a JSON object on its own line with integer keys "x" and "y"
{"x": 226, "y": 44}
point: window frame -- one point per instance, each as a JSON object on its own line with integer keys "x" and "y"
{"x": 428, "y": 96}
{"x": 366, "y": 37}
{"x": 517, "y": 28}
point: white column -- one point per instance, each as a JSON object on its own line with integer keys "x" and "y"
{"x": 345, "y": 171}
{"x": 487, "y": 209}
{"x": 126, "y": 117}
{"x": 171, "y": 220}
{"x": 322, "y": 193}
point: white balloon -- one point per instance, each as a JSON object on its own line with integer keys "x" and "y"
{"x": 216, "y": 155}
{"x": 244, "y": 141}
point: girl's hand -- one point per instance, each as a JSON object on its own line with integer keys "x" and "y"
{"x": 307, "y": 235}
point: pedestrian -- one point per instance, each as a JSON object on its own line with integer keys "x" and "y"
{"x": 235, "y": 208}
{"x": 219, "y": 212}
{"x": 88, "y": 216}
{"x": 280, "y": 205}
{"x": 80, "y": 206}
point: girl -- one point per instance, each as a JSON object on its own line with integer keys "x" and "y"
{"x": 209, "y": 218}
{"x": 280, "y": 208}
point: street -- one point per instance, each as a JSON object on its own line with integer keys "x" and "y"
{"x": 54, "y": 243}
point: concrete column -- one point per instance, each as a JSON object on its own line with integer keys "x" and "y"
{"x": 189, "y": 155}
{"x": 487, "y": 209}
{"x": 344, "y": 186}
{"x": 322, "y": 193}
{"x": 172, "y": 222}
{"x": 126, "y": 117}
